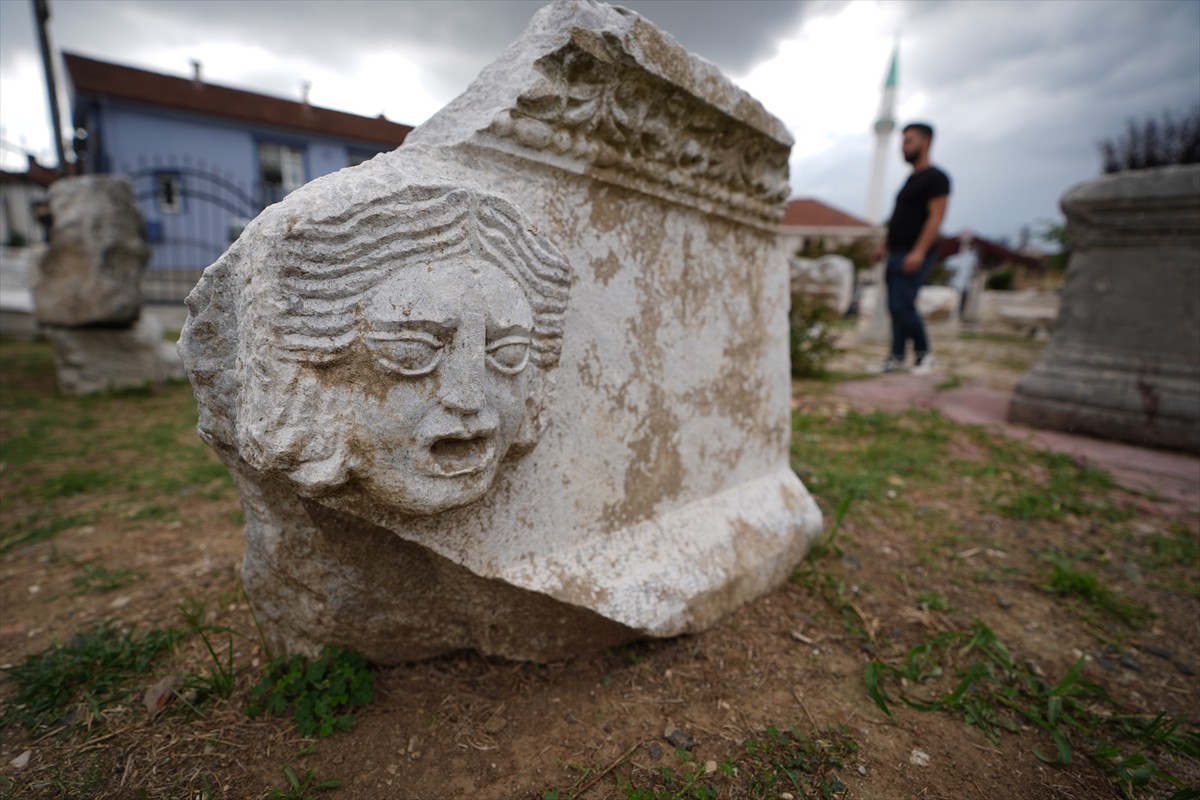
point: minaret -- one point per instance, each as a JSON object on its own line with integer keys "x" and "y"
{"x": 885, "y": 123}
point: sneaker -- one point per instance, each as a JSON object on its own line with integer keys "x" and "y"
{"x": 924, "y": 365}
{"x": 892, "y": 364}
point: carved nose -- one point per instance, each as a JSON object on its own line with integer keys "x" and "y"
{"x": 462, "y": 381}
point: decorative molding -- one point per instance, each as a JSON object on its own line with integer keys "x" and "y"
{"x": 597, "y": 105}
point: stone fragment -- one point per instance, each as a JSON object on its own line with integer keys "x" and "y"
{"x": 522, "y": 384}
{"x": 1121, "y": 363}
{"x": 91, "y": 273}
{"x": 829, "y": 278}
{"x": 91, "y": 360}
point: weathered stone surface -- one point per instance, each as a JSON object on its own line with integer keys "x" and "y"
{"x": 829, "y": 278}
{"x": 91, "y": 273}
{"x": 522, "y": 384}
{"x": 92, "y": 360}
{"x": 1123, "y": 362}
{"x": 939, "y": 306}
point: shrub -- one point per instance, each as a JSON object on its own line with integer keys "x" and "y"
{"x": 812, "y": 339}
{"x": 1003, "y": 280}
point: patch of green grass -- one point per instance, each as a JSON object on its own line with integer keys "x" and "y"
{"x": 1070, "y": 488}
{"x": 302, "y": 787}
{"x": 91, "y": 670}
{"x": 155, "y": 511}
{"x": 973, "y": 675}
{"x": 933, "y": 601}
{"x": 1066, "y": 580}
{"x": 864, "y": 456}
{"x": 1176, "y": 548}
{"x": 74, "y": 482}
{"x": 40, "y": 526}
{"x": 321, "y": 692}
{"x": 220, "y": 679}
{"x": 96, "y": 579}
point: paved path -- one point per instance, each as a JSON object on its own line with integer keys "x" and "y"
{"x": 1171, "y": 477}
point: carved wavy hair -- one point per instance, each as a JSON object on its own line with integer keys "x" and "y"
{"x": 293, "y": 287}
{"x": 329, "y": 264}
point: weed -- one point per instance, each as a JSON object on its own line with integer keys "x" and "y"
{"x": 321, "y": 691}
{"x": 300, "y": 787}
{"x": 220, "y": 680}
{"x": 827, "y": 544}
{"x": 155, "y": 511}
{"x": 791, "y": 760}
{"x": 995, "y": 693}
{"x": 90, "y": 669}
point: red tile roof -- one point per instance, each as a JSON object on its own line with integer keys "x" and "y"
{"x": 113, "y": 80}
{"x": 810, "y": 212}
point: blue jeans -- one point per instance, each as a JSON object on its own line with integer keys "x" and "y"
{"x": 902, "y": 289}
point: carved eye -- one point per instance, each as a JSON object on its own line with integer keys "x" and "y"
{"x": 509, "y": 355}
{"x": 413, "y": 354}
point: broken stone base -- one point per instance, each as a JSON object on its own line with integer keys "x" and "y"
{"x": 92, "y": 360}
{"x": 319, "y": 576}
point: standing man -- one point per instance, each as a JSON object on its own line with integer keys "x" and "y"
{"x": 911, "y": 245}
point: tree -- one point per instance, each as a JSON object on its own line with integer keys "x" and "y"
{"x": 1151, "y": 144}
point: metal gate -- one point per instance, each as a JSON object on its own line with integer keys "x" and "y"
{"x": 192, "y": 214}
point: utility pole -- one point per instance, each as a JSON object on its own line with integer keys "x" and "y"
{"x": 41, "y": 10}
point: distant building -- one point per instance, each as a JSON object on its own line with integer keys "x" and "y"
{"x": 807, "y": 222}
{"x": 23, "y": 205}
{"x": 205, "y": 159}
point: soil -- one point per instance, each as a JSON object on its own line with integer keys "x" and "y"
{"x": 465, "y": 726}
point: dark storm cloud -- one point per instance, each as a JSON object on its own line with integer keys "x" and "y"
{"x": 456, "y": 38}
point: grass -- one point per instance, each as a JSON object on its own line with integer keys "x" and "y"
{"x": 972, "y": 674}
{"x": 75, "y": 681}
{"x": 97, "y": 579}
{"x": 764, "y": 767}
{"x": 69, "y": 461}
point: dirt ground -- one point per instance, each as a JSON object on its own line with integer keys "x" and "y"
{"x": 464, "y": 726}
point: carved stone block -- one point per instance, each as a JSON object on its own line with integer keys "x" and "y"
{"x": 1122, "y": 362}
{"x": 522, "y": 384}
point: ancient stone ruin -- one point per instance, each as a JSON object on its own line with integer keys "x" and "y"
{"x": 87, "y": 292}
{"x": 1122, "y": 362}
{"x": 522, "y": 384}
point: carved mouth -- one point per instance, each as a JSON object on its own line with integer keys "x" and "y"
{"x": 462, "y": 455}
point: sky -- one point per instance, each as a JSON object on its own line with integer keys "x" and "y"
{"x": 1020, "y": 91}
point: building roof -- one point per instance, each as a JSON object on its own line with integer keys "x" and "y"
{"x": 810, "y": 212}
{"x": 35, "y": 174}
{"x": 101, "y": 78}
{"x": 990, "y": 253}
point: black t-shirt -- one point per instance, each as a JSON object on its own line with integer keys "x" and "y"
{"x": 912, "y": 207}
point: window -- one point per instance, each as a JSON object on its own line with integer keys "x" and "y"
{"x": 356, "y": 157}
{"x": 281, "y": 168}
{"x": 168, "y": 192}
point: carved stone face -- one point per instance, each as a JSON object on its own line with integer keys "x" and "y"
{"x": 449, "y": 344}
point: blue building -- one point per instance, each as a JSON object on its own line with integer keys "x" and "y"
{"x": 205, "y": 159}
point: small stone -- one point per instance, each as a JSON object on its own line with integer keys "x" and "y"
{"x": 680, "y": 739}
{"x": 120, "y": 602}
{"x": 851, "y": 562}
{"x": 496, "y": 724}
{"x": 869, "y": 648}
{"x": 1157, "y": 652}
{"x": 1184, "y": 668}
{"x": 654, "y": 751}
{"x": 862, "y": 770}
{"x": 1128, "y": 663}
{"x": 710, "y": 767}
{"x": 1004, "y": 602}
{"x": 918, "y": 758}
{"x": 21, "y": 761}
{"x": 1105, "y": 664}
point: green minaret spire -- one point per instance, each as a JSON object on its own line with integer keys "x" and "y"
{"x": 890, "y": 83}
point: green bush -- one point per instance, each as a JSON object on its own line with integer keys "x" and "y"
{"x": 1004, "y": 280}
{"x": 812, "y": 339}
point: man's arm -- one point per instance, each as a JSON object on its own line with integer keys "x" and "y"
{"x": 929, "y": 234}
